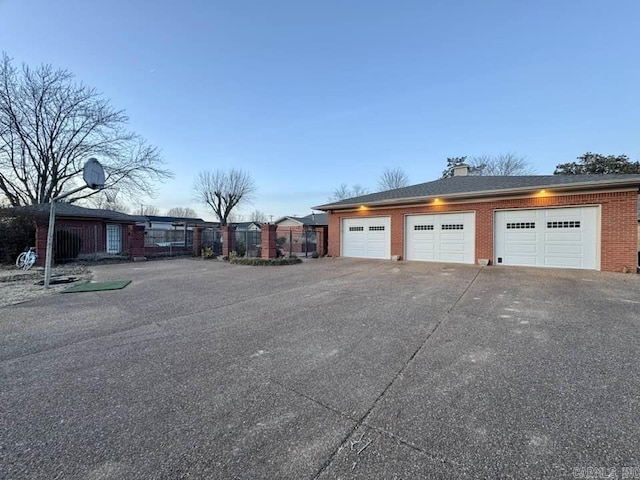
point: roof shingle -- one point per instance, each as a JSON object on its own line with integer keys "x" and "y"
{"x": 470, "y": 186}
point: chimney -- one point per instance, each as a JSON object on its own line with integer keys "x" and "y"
{"x": 461, "y": 170}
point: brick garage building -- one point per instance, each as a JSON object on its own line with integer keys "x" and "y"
{"x": 573, "y": 221}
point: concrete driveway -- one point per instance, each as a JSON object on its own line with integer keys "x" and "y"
{"x": 335, "y": 368}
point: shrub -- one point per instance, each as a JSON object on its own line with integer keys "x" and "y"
{"x": 266, "y": 262}
{"x": 241, "y": 249}
{"x": 67, "y": 246}
{"x": 16, "y": 233}
{"x": 207, "y": 252}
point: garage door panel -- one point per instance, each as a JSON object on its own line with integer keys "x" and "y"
{"x": 459, "y": 248}
{"x": 574, "y": 237}
{"x": 522, "y": 237}
{"x": 559, "y": 262}
{"x": 548, "y": 237}
{"x": 522, "y": 248}
{"x": 445, "y": 237}
{"x": 528, "y": 261}
{"x": 569, "y": 250}
{"x": 366, "y": 237}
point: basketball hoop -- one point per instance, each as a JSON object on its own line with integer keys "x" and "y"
{"x": 111, "y": 194}
{"x": 93, "y": 174}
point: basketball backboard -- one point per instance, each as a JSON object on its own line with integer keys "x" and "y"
{"x": 93, "y": 174}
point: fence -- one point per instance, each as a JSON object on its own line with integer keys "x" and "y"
{"x": 297, "y": 242}
{"x": 167, "y": 243}
{"x": 90, "y": 242}
{"x": 212, "y": 238}
{"x": 248, "y": 243}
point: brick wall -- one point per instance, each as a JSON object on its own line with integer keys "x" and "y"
{"x": 619, "y": 227}
{"x": 269, "y": 241}
{"x": 136, "y": 237}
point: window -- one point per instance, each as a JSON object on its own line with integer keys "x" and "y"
{"x": 376, "y": 228}
{"x": 520, "y": 225}
{"x": 570, "y": 224}
{"x": 423, "y": 227}
{"x": 356, "y": 229}
{"x": 453, "y": 226}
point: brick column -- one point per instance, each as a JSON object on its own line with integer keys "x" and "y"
{"x": 269, "y": 241}
{"x": 136, "y": 232}
{"x": 321, "y": 239}
{"x": 228, "y": 239}
{"x": 197, "y": 241}
{"x": 42, "y": 229}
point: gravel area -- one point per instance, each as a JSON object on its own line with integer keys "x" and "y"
{"x": 17, "y": 286}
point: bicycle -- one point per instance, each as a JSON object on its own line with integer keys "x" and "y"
{"x": 26, "y": 259}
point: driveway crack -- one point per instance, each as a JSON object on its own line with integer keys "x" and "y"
{"x": 363, "y": 419}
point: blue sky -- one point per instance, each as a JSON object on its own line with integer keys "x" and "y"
{"x": 308, "y": 95}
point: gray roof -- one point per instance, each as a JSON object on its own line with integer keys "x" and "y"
{"x": 245, "y": 225}
{"x": 318, "y": 219}
{"x": 471, "y": 186}
{"x": 161, "y": 218}
{"x": 70, "y": 210}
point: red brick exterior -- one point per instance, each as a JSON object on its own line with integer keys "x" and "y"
{"x": 269, "y": 244}
{"x": 322, "y": 239}
{"x": 619, "y": 221}
{"x": 94, "y": 236}
{"x": 197, "y": 240}
{"x": 228, "y": 239}
{"x": 42, "y": 229}
{"x": 136, "y": 237}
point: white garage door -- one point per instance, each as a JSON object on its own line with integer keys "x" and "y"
{"x": 548, "y": 237}
{"x": 366, "y": 237}
{"x": 444, "y": 237}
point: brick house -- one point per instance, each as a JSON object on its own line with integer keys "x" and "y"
{"x": 308, "y": 232}
{"x": 561, "y": 221}
{"x": 87, "y": 233}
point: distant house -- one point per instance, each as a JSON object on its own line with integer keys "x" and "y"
{"x": 300, "y": 234}
{"x": 250, "y": 226}
{"x": 300, "y": 223}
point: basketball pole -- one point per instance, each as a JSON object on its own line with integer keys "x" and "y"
{"x": 52, "y": 223}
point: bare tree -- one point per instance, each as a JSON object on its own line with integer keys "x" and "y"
{"x": 50, "y": 125}
{"x": 149, "y": 210}
{"x": 235, "y": 217}
{"x": 107, "y": 201}
{"x": 505, "y": 164}
{"x": 258, "y": 216}
{"x": 224, "y": 191}
{"x": 343, "y": 192}
{"x": 183, "y": 212}
{"x": 393, "y": 178}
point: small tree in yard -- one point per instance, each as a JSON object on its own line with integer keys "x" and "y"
{"x": 224, "y": 191}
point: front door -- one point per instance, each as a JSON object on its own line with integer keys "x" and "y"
{"x": 114, "y": 238}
